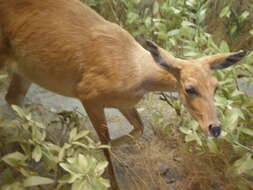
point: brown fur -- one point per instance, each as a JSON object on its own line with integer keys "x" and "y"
{"x": 65, "y": 47}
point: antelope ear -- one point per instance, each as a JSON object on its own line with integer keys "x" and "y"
{"x": 222, "y": 61}
{"x": 164, "y": 62}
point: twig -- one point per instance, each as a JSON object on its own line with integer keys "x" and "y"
{"x": 243, "y": 146}
{"x": 239, "y": 144}
{"x": 165, "y": 98}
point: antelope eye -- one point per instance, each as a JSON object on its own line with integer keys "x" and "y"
{"x": 191, "y": 91}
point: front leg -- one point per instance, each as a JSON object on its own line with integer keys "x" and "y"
{"x": 17, "y": 89}
{"x": 134, "y": 119}
{"x": 97, "y": 118}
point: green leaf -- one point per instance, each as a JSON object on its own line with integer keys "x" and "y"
{"x": 173, "y": 32}
{"x": 211, "y": 44}
{"x": 190, "y": 54}
{"x": 191, "y": 3}
{"x": 251, "y": 32}
{"x": 202, "y": 15}
{"x": 193, "y": 125}
{"x": 68, "y": 168}
{"x": 19, "y": 111}
{"x": 224, "y": 47}
{"x": 156, "y": 8}
{"x": 148, "y": 22}
{"x": 14, "y": 159}
{"x": 187, "y": 31}
{"x": 244, "y": 16}
{"x": 81, "y": 135}
{"x": 162, "y": 35}
{"x": 83, "y": 163}
{"x": 72, "y": 166}
{"x": 97, "y": 185}
{"x": 100, "y": 168}
{"x": 36, "y": 134}
{"x": 247, "y": 131}
{"x": 62, "y": 152}
{"x": 81, "y": 145}
{"x": 61, "y": 155}
{"x": 175, "y": 11}
{"x": 37, "y": 153}
{"x": 72, "y": 134}
{"x": 132, "y": 17}
{"x": 225, "y": 12}
{"x": 52, "y": 147}
{"x": 3, "y": 76}
{"x": 233, "y": 29}
{"x": 68, "y": 179}
{"x": 244, "y": 164}
{"x": 212, "y": 146}
{"x": 193, "y": 137}
{"x": 105, "y": 182}
{"x": 104, "y": 146}
{"x": 37, "y": 180}
{"x": 231, "y": 118}
{"x": 185, "y": 130}
{"x": 186, "y": 23}
{"x": 92, "y": 163}
{"x": 81, "y": 185}
{"x": 26, "y": 172}
{"x": 190, "y": 138}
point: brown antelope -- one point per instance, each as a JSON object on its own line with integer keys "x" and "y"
{"x": 66, "y": 47}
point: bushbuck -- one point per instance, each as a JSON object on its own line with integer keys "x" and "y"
{"x": 66, "y": 47}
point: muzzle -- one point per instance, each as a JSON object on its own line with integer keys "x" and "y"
{"x": 215, "y": 130}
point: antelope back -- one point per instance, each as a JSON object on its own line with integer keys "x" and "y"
{"x": 65, "y": 42}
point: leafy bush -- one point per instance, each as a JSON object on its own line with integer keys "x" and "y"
{"x": 33, "y": 156}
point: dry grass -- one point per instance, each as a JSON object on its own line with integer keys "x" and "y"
{"x": 166, "y": 164}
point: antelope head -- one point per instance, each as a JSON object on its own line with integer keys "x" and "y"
{"x": 196, "y": 84}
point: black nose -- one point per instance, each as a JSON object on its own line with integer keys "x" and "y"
{"x": 215, "y": 130}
